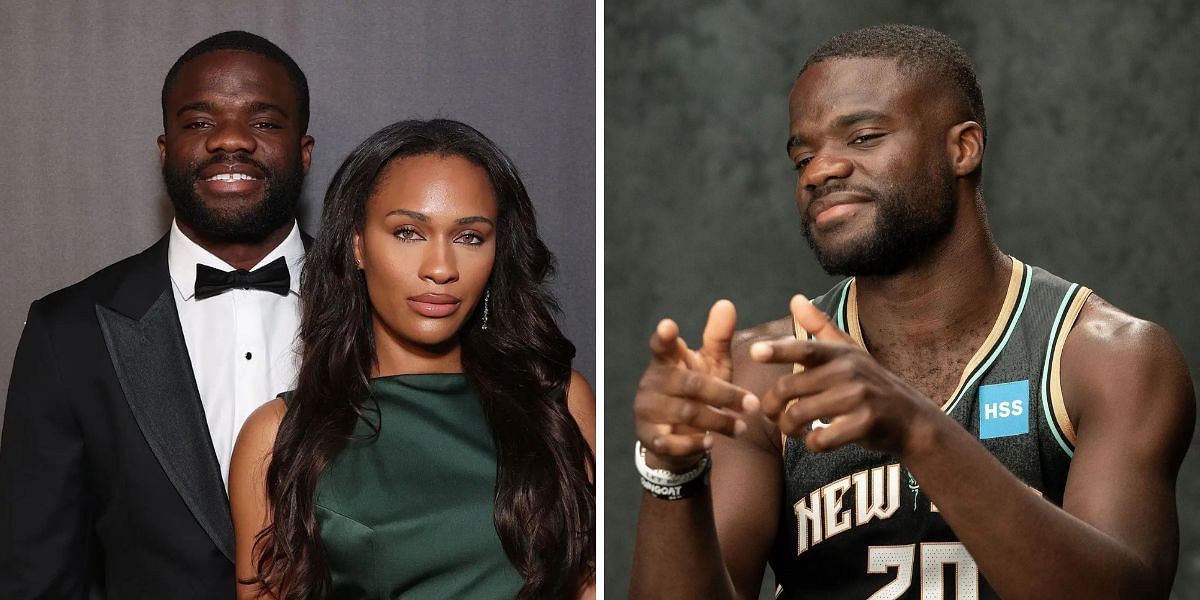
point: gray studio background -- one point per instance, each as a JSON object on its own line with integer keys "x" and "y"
{"x": 79, "y": 108}
{"x": 1092, "y": 167}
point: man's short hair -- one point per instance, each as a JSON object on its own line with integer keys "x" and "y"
{"x": 918, "y": 50}
{"x": 245, "y": 42}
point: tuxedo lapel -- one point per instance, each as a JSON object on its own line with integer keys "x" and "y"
{"x": 151, "y": 361}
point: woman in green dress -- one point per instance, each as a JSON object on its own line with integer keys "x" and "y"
{"x": 438, "y": 443}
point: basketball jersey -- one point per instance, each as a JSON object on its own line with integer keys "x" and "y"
{"x": 855, "y": 524}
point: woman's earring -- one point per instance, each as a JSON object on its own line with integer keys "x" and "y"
{"x": 487, "y": 295}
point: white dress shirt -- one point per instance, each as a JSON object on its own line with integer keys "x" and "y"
{"x": 242, "y": 343}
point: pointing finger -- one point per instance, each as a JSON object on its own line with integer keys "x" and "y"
{"x": 665, "y": 346}
{"x": 809, "y": 353}
{"x": 704, "y": 388}
{"x": 815, "y": 322}
{"x": 669, "y": 410}
{"x": 676, "y": 444}
{"x": 718, "y": 333}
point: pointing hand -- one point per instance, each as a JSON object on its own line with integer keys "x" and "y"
{"x": 842, "y": 385}
{"x": 685, "y": 393}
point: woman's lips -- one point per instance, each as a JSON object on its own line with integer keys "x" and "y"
{"x": 435, "y": 305}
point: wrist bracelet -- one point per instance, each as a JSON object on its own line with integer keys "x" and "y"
{"x": 667, "y": 485}
{"x": 664, "y": 477}
{"x": 678, "y": 492}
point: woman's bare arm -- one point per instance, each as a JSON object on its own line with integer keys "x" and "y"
{"x": 248, "y": 491}
{"x": 582, "y": 404}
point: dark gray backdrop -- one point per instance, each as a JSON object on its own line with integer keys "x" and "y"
{"x": 79, "y": 111}
{"x": 1092, "y": 167}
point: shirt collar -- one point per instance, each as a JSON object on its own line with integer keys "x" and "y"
{"x": 183, "y": 255}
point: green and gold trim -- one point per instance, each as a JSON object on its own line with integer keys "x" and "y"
{"x": 1010, "y": 313}
{"x": 1053, "y": 404}
{"x": 845, "y": 316}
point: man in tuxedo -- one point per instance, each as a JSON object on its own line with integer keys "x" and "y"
{"x": 128, "y": 388}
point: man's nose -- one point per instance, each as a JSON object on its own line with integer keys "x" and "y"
{"x": 823, "y": 168}
{"x": 231, "y": 137}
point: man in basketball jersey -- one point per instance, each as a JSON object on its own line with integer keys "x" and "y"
{"x": 947, "y": 422}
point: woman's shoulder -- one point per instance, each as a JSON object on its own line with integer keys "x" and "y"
{"x": 257, "y": 436}
{"x": 579, "y": 391}
{"x": 581, "y": 403}
{"x": 270, "y": 414}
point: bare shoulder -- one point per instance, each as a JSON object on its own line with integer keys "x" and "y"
{"x": 1102, "y": 323}
{"x": 581, "y": 402}
{"x": 749, "y": 373}
{"x": 257, "y": 436}
{"x": 264, "y": 421}
{"x": 1114, "y": 362}
{"x": 252, "y": 453}
{"x": 1108, "y": 344}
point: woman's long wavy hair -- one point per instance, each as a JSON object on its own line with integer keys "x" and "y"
{"x": 520, "y": 366}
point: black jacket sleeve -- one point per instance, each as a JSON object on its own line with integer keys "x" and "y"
{"x": 43, "y": 524}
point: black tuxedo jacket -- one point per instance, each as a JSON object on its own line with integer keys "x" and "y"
{"x": 108, "y": 479}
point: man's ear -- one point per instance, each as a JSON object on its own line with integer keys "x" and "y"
{"x": 965, "y": 147}
{"x": 306, "y": 148}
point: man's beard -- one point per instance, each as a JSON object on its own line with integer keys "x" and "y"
{"x": 909, "y": 221}
{"x": 281, "y": 193}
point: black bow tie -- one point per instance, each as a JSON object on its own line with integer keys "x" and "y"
{"x": 272, "y": 277}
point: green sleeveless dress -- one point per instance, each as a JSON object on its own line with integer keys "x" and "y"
{"x": 408, "y": 513}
